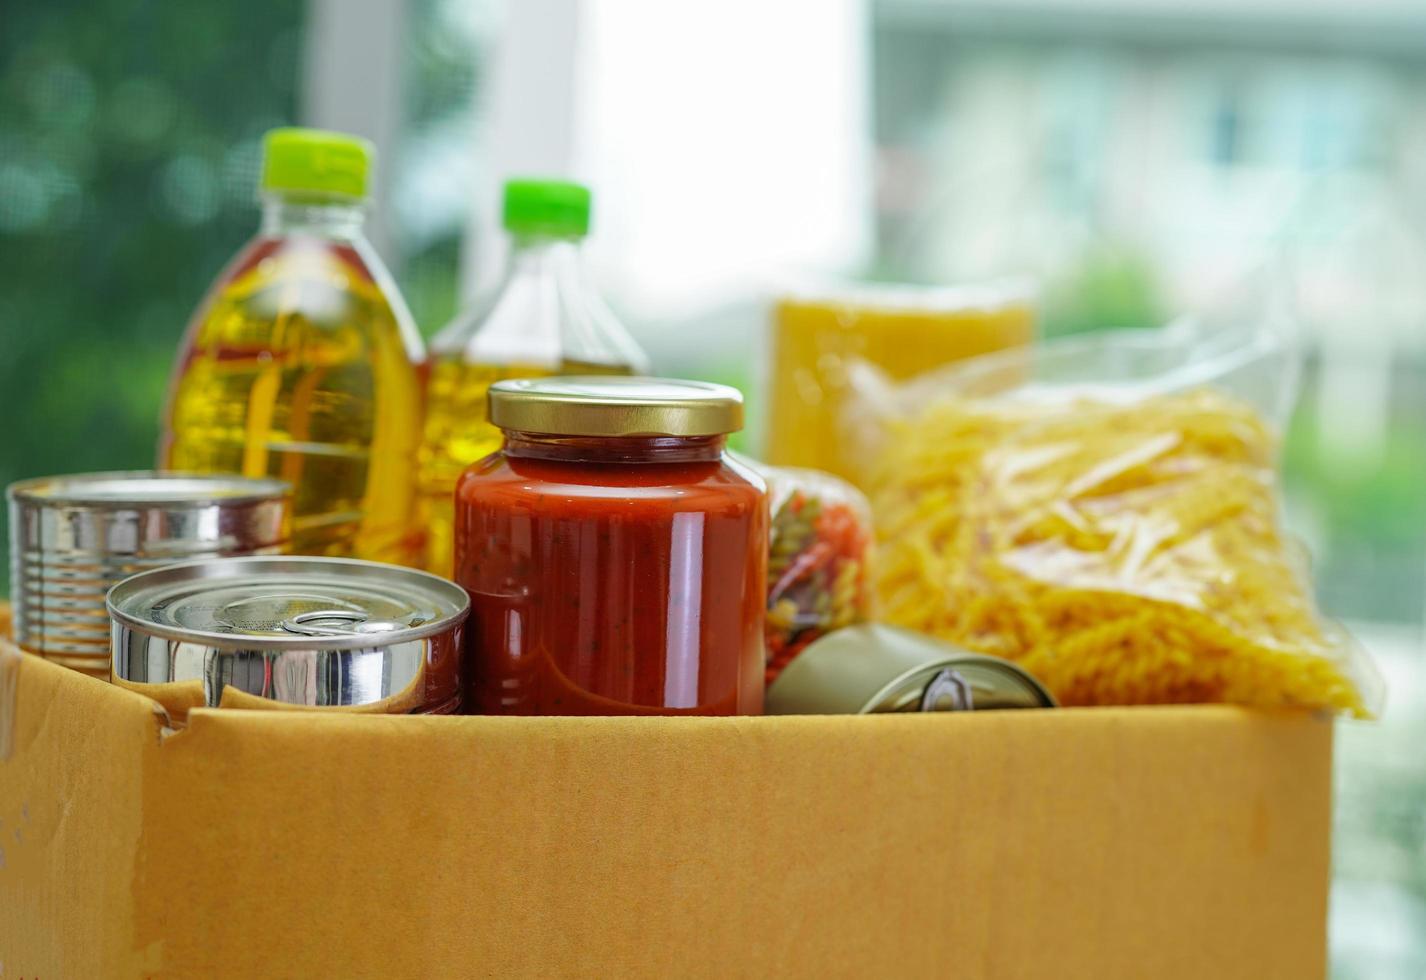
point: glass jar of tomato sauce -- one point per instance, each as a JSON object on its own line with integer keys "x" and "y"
{"x": 615, "y": 556}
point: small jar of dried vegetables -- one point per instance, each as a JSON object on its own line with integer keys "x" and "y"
{"x": 818, "y": 554}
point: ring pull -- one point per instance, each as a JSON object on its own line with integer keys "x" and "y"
{"x": 948, "y": 691}
{"x": 315, "y": 623}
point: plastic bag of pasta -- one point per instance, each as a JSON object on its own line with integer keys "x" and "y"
{"x": 1105, "y": 511}
{"x": 818, "y": 558}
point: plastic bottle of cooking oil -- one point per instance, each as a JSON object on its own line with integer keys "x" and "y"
{"x": 302, "y": 361}
{"x": 545, "y": 318}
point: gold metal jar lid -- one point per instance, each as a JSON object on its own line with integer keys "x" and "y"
{"x": 615, "y": 406}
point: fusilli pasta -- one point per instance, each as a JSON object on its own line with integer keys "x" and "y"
{"x": 1124, "y": 554}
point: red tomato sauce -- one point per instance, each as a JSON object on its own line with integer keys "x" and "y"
{"x": 612, "y": 576}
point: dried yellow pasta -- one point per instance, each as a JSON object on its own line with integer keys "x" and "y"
{"x": 1124, "y": 554}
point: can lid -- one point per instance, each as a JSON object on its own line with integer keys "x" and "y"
{"x": 616, "y": 406}
{"x": 962, "y": 683}
{"x": 146, "y": 487}
{"x": 289, "y": 602}
{"x": 873, "y": 669}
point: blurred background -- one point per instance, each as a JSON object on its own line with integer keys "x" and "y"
{"x": 1140, "y": 158}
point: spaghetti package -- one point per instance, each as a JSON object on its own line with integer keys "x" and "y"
{"x": 818, "y": 560}
{"x": 1106, "y": 513}
{"x": 817, "y": 332}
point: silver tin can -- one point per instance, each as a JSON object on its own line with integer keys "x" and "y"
{"x": 73, "y": 537}
{"x": 874, "y": 669}
{"x": 296, "y": 631}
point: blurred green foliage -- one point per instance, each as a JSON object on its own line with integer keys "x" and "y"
{"x": 1372, "y": 516}
{"x": 1381, "y": 505}
{"x": 130, "y": 144}
{"x": 1110, "y": 287}
{"x": 129, "y": 151}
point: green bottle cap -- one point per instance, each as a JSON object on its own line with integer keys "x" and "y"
{"x": 315, "y": 161}
{"x": 546, "y": 207}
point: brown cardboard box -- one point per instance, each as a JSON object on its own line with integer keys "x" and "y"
{"x": 1144, "y": 843}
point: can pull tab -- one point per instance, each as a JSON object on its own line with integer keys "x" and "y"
{"x": 337, "y": 622}
{"x": 948, "y": 691}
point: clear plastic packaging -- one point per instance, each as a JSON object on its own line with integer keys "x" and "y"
{"x": 819, "y": 553}
{"x": 1106, "y": 512}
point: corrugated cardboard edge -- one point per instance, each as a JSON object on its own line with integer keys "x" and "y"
{"x": 9, "y": 696}
{"x": 585, "y": 803}
{"x": 70, "y": 815}
{"x": 150, "y": 855}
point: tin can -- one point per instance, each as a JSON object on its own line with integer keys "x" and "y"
{"x": 298, "y": 631}
{"x": 73, "y": 537}
{"x": 873, "y": 669}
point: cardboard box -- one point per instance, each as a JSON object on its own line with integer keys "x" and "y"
{"x": 1149, "y": 842}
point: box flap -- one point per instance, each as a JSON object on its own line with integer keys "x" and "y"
{"x": 71, "y": 806}
{"x": 1137, "y": 842}
{"x": 1152, "y": 842}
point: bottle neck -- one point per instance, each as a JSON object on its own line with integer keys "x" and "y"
{"x": 340, "y": 220}
{"x": 544, "y": 255}
{"x": 608, "y": 449}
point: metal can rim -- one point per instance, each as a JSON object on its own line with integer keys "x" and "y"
{"x": 251, "y": 490}
{"x": 872, "y": 668}
{"x": 1005, "y": 668}
{"x": 216, "y": 570}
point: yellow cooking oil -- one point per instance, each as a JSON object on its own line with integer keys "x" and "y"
{"x": 544, "y": 318}
{"x": 299, "y": 368}
{"x": 458, "y": 432}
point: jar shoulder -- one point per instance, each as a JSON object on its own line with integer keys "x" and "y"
{"x": 501, "y": 478}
